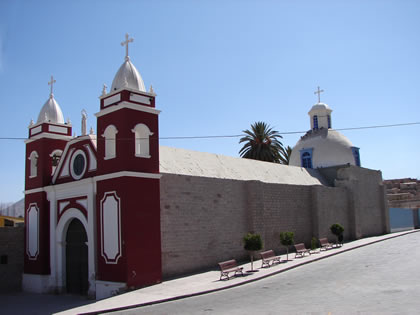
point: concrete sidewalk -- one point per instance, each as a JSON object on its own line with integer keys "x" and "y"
{"x": 209, "y": 281}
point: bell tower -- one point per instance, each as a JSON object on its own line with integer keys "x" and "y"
{"x": 128, "y": 191}
{"x": 320, "y": 114}
{"x": 44, "y": 146}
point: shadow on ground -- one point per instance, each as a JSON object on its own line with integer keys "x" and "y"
{"x": 37, "y": 304}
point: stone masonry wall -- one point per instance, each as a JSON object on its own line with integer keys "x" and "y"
{"x": 367, "y": 205}
{"x": 330, "y": 205}
{"x": 11, "y": 259}
{"x": 286, "y": 208}
{"x": 203, "y": 220}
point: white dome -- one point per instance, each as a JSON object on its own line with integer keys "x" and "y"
{"x": 329, "y": 148}
{"x": 128, "y": 77}
{"x": 320, "y": 106}
{"x": 51, "y": 112}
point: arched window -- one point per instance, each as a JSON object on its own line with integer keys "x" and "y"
{"x": 356, "y": 155}
{"x": 142, "y": 143}
{"x": 315, "y": 122}
{"x": 110, "y": 136}
{"x": 33, "y": 157}
{"x": 306, "y": 158}
{"x": 55, "y": 159}
{"x": 329, "y": 121}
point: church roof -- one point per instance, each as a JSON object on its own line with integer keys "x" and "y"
{"x": 128, "y": 77}
{"x": 193, "y": 163}
{"x": 51, "y": 112}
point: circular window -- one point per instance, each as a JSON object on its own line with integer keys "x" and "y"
{"x": 78, "y": 164}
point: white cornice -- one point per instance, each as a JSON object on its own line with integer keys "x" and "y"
{"x": 48, "y": 136}
{"x": 127, "y": 89}
{"x": 127, "y": 174}
{"x": 33, "y": 191}
{"x": 46, "y": 122}
{"x": 83, "y": 182}
{"x": 129, "y": 105}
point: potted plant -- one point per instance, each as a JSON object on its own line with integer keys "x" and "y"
{"x": 337, "y": 230}
{"x": 252, "y": 243}
{"x": 286, "y": 239}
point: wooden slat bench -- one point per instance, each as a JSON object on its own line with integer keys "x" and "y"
{"x": 301, "y": 250}
{"x": 229, "y": 266}
{"x": 267, "y": 257}
{"x": 325, "y": 244}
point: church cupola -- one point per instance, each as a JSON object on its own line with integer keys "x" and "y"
{"x": 51, "y": 111}
{"x": 323, "y": 146}
{"x": 320, "y": 114}
{"x": 50, "y": 119}
{"x": 127, "y": 75}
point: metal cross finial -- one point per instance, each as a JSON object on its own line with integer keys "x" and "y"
{"x": 51, "y": 83}
{"x": 319, "y": 94}
{"x": 125, "y": 43}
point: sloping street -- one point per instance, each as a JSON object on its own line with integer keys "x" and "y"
{"x": 381, "y": 278}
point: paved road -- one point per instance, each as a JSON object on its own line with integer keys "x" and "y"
{"x": 383, "y": 278}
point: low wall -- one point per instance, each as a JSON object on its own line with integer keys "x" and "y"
{"x": 11, "y": 259}
{"x": 403, "y": 219}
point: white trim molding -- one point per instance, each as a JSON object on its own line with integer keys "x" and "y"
{"x": 127, "y": 174}
{"x": 128, "y": 105}
{"x": 48, "y": 136}
{"x": 32, "y": 232}
{"x": 110, "y": 221}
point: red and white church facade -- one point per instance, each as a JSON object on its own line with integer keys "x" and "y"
{"x": 92, "y": 202}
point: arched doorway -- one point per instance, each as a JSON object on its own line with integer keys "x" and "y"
{"x": 76, "y": 259}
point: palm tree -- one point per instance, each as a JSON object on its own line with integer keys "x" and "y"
{"x": 285, "y": 154}
{"x": 261, "y": 143}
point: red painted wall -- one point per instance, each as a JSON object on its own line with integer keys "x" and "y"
{"x": 44, "y": 147}
{"x": 42, "y": 264}
{"x": 125, "y": 120}
{"x": 140, "y": 264}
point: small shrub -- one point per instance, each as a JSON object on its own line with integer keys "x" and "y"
{"x": 252, "y": 242}
{"x": 337, "y": 229}
{"x": 314, "y": 243}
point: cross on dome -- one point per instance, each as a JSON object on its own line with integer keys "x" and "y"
{"x": 125, "y": 43}
{"x": 52, "y": 85}
{"x": 319, "y": 94}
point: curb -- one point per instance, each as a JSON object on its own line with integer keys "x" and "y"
{"x": 122, "y": 308}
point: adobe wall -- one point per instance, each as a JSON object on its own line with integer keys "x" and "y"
{"x": 368, "y": 206}
{"x": 203, "y": 220}
{"x": 330, "y": 205}
{"x": 275, "y": 208}
{"x": 11, "y": 259}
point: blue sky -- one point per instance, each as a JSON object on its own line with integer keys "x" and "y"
{"x": 217, "y": 67}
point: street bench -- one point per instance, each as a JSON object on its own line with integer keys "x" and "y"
{"x": 325, "y": 244}
{"x": 268, "y": 257}
{"x": 301, "y": 250}
{"x": 229, "y": 266}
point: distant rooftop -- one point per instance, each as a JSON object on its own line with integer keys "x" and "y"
{"x": 403, "y": 193}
